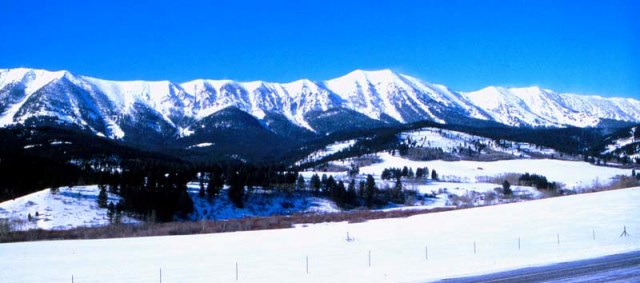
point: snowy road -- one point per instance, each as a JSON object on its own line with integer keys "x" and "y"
{"x": 614, "y": 268}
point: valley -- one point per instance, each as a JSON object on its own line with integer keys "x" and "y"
{"x": 207, "y": 161}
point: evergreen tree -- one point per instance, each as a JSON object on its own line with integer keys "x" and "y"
{"x": 185, "y": 204}
{"x": 315, "y": 184}
{"x": 102, "y": 197}
{"x": 324, "y": 182}
{"x": 506, "y": 188}
{"x": 330, "y": 185}
{"x": 386, "y": 174}
{"x": 236, "y": 189}
{"x": 354, "y": 170}
{"x": 118, "y": 213}
{"x": 300, "y": 184}
{"x": 111, "y": 210}
{"x": 352, "y": 195}
{"x": 397, "y": 194}
{"x": 201, "y": 192}
{"x": 338, "y": 194}
{"x": 434, "y": 175}
{"x": 370, "y": 190}
{"x": 361, "y": 188}
{"x": 215, "y": 184}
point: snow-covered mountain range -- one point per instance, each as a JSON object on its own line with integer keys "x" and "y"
{"x": 114, "y": 108}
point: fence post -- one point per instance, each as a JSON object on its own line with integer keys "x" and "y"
{"x": 594, "y": 234}
{"x": 426, "y": 252}
{"x": 307, "y": 259}
{"x": 236, "y": 271}
{"x": 72, "y": 278}
{"x": 558, "y": 239}
{"x": 160, "y": 275}
{"x": 369, "y": 258}
{"x": 474, "y": 247}
{"x": 518, "y": 243}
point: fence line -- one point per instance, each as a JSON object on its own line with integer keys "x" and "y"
{"x": 488, "y": 249}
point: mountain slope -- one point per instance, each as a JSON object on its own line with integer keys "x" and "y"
{"x": 154, "y": 111}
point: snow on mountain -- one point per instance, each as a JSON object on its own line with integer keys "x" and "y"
{"x": 534, "y": 106}
{"x": 28, "y": 82}
{"x": 403, "y": 98}
{"x": 113, "y": 108}
{"x": 258, "y": 98}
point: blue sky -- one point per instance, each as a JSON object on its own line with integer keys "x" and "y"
{"x": 590, "y": 47}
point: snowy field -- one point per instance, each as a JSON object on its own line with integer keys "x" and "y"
{"x": 414, "y": 249}
{"x": 573, "y": 174}
{"x": 65, "y": 209}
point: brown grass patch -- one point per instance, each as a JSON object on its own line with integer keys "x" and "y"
{"x": 203, "y": 227}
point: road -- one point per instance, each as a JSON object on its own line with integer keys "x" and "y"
{"x": 615, "y": 268}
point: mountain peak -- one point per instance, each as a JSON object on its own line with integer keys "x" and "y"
{"x": 361, "y": 78}
{"x": 528, "y": 90}
{"x": 489, "y": 90}
{"x": 373, "y": 75}
{"x": 20, "y": 74}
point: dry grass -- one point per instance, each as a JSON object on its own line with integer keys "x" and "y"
{"x": 619, "y": 182}
{"x": 188, "y": 228}
{"x": 498, "y": 179}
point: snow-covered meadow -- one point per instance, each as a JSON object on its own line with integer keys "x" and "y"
{"x": 414, "y": 249}
{"x": 573, "y": 175}
{"x": 68, "y": 207}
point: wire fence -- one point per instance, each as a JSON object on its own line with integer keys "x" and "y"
{"x": 356, "y": 258}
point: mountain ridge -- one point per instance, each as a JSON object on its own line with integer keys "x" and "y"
{"x": 111, "y": 108}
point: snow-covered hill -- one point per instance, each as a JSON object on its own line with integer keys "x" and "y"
{"x": 66, "y": 208}
{"x": 420, "y": 248}
{"x": 625, "y": 146}
{"x": 116, "y": 108}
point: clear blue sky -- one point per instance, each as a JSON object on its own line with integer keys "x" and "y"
{"x": 590, "y": 47}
